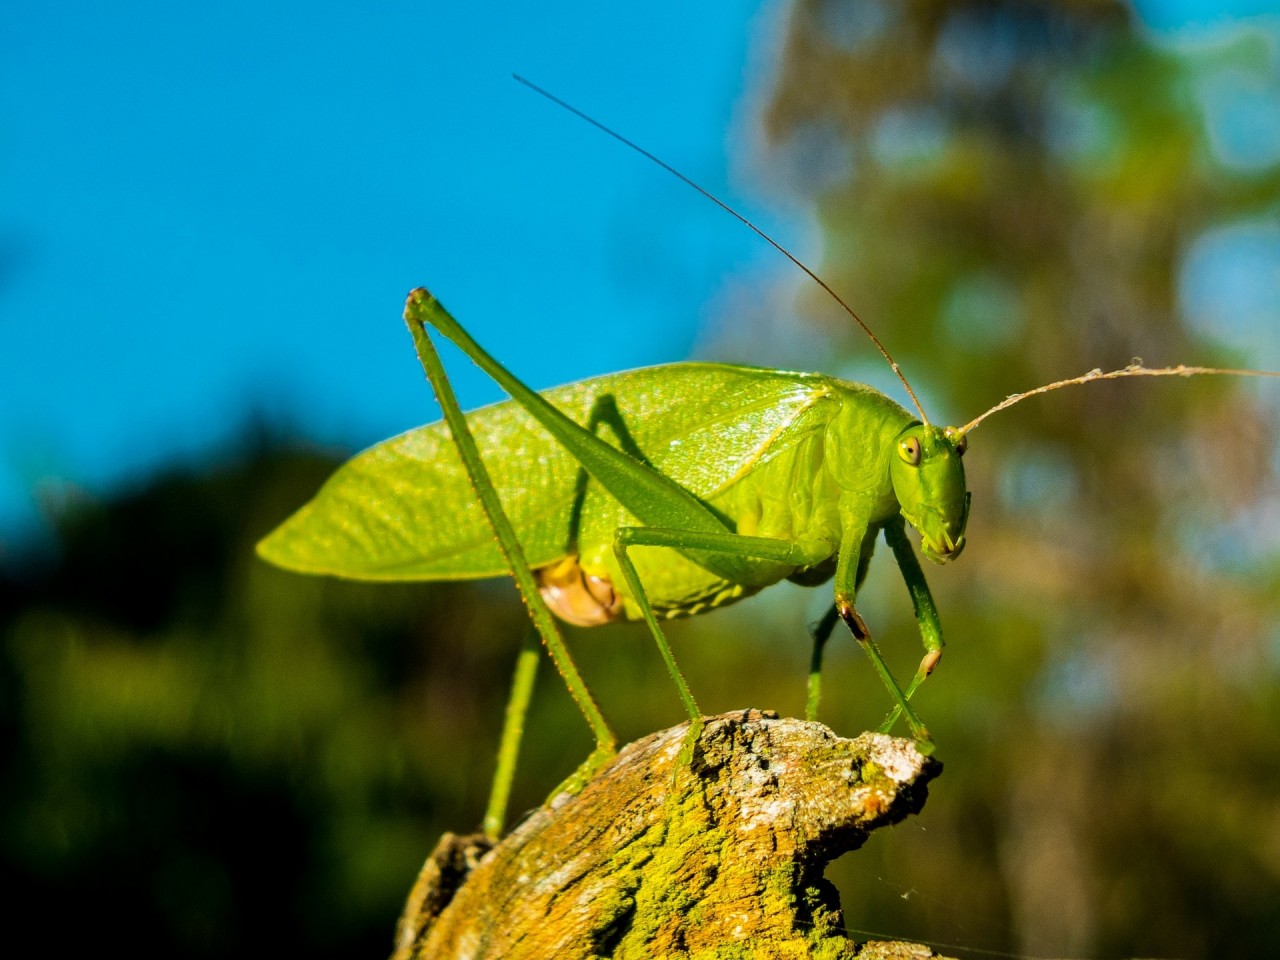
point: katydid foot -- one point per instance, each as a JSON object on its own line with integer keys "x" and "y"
{"x": 858, "y": 627}
{"x": 597, "y": 761}
{"x": 684, "y": 760}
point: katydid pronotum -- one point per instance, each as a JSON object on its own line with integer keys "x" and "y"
{"x": 659, "y": 492}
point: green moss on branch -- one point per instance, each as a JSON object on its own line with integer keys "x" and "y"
{"x": 723, "y": 859}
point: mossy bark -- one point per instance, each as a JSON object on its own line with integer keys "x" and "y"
{"x": 656, "y": 858}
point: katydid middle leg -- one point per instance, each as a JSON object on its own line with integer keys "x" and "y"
{"x": 747, "y": 548}
{"x": 604, "y": 412}
{"x": 767, "y": 549}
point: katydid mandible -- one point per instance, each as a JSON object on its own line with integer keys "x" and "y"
{"x": 654, "y": 493}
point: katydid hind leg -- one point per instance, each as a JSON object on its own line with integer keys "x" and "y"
{"x": 604, "y": 412}
{"x": 821, "y": 633}
{"x": 514, "y": 553}
{"x": 522, "y": 682}
{"x": 649, "y": 495}
{"x": 652, "y": 497}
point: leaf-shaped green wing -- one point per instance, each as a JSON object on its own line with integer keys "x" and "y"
{"x": 404, "y": 509}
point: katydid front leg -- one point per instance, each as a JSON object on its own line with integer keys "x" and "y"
{"x": 822, "y": 630}
{"x": 895, "y": 534}
{"x": 855, "y": 522}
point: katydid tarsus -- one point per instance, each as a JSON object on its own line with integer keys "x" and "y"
{"x": 653, "y": 493}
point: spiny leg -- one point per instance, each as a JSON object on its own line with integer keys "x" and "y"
{"x": 926, "y": 610}
{"x": 509, "y": 543}
{"x": 758, "y": 548}
{"x": 649, "y": 495}
{"x": 522, "y": 682}
{"x": 849, "y": 566}
{"x": 918, "y": 729}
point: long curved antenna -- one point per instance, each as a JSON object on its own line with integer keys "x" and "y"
{"x": 1135, "y": 369}
{"x": 893, "y": 365}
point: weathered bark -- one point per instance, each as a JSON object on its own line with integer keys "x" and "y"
{"x": 656, "y": 858}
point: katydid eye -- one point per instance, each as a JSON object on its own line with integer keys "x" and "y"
{"x": 909, "y": 450}
{"x": 961, "y": 446}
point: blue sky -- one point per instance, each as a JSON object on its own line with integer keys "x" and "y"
{"x": 210, "y": 210}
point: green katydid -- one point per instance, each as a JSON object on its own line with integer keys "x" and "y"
{"x": 658, "y": 492}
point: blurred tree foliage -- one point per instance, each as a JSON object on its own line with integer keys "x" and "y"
{"x": 203, "y": 756}
{"x": 1012, "y": 193}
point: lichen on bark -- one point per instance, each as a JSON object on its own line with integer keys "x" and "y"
{"x": 722, "y": 858}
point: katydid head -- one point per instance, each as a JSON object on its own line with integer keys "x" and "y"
{"x": 928, "y": 481}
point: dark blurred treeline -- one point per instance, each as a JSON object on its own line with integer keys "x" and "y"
{"x": 203, "y": 756}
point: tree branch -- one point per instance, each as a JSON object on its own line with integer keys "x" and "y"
{"x": 655, "y": 859}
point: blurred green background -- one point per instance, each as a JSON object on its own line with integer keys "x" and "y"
{"x": 203, "y": 756}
